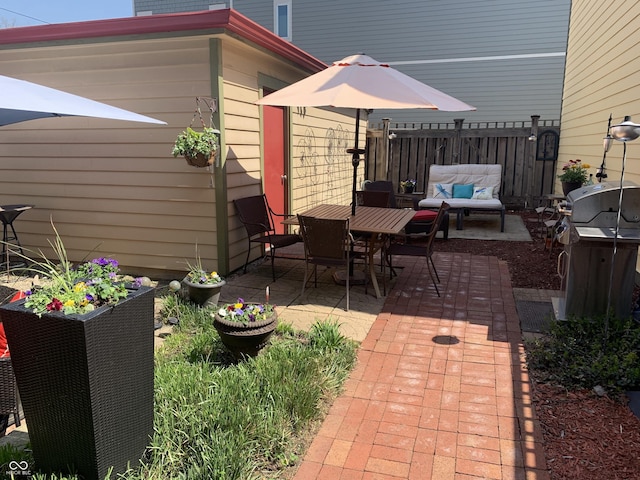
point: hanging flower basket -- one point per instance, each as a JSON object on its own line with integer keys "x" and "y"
{"x": 201, "y": 160}
{"x": 199, "y": 148}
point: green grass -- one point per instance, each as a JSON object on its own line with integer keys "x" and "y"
{"x": 218, "y": 418}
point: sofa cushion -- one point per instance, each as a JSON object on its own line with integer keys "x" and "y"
{"x": 482, "y": 193}
{"x": 493, "y": 204}
{"x": 442, "y": 191}
{"x": 481, "y": 175}
{"x": 462, "y": 191}
{"x": 424, "y": 216}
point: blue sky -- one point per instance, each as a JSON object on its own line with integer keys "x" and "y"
{"x": 17, "y": 14}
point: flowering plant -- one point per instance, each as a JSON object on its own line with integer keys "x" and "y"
{"x": 197, "y": 274}
{"x": 574, "y": 172}
{"x": 408, "y": 183}
{"x": 72, "y": 290}
{"x": 245, "y": 313}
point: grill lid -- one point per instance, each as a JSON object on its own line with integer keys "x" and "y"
{"x": 597, "y": 206}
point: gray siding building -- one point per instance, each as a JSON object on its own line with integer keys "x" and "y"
{"x": 505, "y": 57}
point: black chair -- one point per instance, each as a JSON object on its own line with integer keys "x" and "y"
{"x": 422, "y": 221}
{"x": 257, "y": 217}
{"x": 327, "y": 242}
{"x": 383, "y": 186}
{"x": 373, "y": 198}
{"x": 421, "y": 250}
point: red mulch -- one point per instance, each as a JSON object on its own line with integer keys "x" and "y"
{"x": 586, "y": 437}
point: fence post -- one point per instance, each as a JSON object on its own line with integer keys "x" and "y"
{"x": 456, "y": 150}
{"x": 387, "y": 145}
{"x": 531, "y": 161}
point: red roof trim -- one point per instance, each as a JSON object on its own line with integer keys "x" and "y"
{"x": 227, "y": 19}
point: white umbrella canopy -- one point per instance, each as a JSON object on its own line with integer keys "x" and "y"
{"x": 359, "y": 81}
{"x": 21, "y": 101}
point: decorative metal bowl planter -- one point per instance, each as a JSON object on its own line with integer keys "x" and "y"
{"x": 86, "y": 384}
{"x": 245, "y": 339}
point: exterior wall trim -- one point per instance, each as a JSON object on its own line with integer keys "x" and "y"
{"x": 229, "y": 20}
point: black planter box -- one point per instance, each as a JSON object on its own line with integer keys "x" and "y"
{"x": 86, "y": 384}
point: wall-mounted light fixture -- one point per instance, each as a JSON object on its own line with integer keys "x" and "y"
{"x": 392, "y": 136}
{"x": 533, "y": 137}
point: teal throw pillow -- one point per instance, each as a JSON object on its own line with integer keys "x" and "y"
{"x": 462, "y": 191}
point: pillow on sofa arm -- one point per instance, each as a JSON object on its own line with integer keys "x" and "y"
{"x": 443, "y": 190}
{"x": 482, "y": 193}
{"x": 462, "y": 191}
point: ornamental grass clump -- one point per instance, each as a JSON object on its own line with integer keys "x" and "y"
{"x": 574, "y": 171}
{"x": 197, "y": 274}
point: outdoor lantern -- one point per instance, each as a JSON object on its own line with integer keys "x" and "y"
{"x": 625, "y": 131}
{"x": 607, "y": 142}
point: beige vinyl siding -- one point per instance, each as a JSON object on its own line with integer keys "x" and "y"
{"x": 112, "y": 188}
{"x": 330, "y": 183}
{"x": 109, "y": 186}
{"x": 601, "y": 79}
{"x": 321, "y": 169}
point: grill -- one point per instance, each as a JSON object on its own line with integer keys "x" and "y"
{"x": 588, "y": 234}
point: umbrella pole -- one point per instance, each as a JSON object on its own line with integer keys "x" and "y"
{"x": 355, "y": 161}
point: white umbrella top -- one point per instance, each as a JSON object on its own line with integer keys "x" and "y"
{"x": 359, "y": 81}
{"x": 21, "y": 101}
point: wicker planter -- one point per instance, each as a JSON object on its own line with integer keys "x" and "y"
{"x": 86, "y": 384}
{"x": 205, "y": 295}
{"x": 245, "y": 340}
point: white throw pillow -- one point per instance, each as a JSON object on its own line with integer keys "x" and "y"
{"x": 443, "y": 190}
{"x": 482, "y": 193}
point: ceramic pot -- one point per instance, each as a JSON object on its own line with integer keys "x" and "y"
{"x": 205, "y": 295}
{"x": 245, "y": 340}
{"x": 570, "y": 186}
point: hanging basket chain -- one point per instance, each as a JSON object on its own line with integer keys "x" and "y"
{"x": 212, "y": 106}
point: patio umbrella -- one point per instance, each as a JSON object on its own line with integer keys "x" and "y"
{"x": 21, "y": 101}
{"x": 360, "y": 82}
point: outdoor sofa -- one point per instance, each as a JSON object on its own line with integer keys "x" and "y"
{"x": 465, "y": 188}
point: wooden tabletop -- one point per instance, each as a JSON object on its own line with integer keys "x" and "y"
{"x": 389, "y": 221}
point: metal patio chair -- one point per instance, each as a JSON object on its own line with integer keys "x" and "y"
{"x": 257, "y": 217}
{"x": 327, "y": 242}
{"x": 373, "y": 198}
{"x": 420, "y": 250}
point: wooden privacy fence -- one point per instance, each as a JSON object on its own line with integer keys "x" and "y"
{"x": 527, "y": 151}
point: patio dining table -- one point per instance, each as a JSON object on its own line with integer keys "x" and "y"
{"x": 371, "y": 220}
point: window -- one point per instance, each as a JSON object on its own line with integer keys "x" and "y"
{"x": 282, "y": 18}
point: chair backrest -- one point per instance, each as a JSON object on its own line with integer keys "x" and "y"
{"x": 255, "y": 214}
{"x": 385, "y": 186}
{"x": 325, "y": 240}
{"x": 373, "y": 198}
{"x": 444, "y": 207}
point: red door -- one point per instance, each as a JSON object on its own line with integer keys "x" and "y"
{"x": 275, "y": 161}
